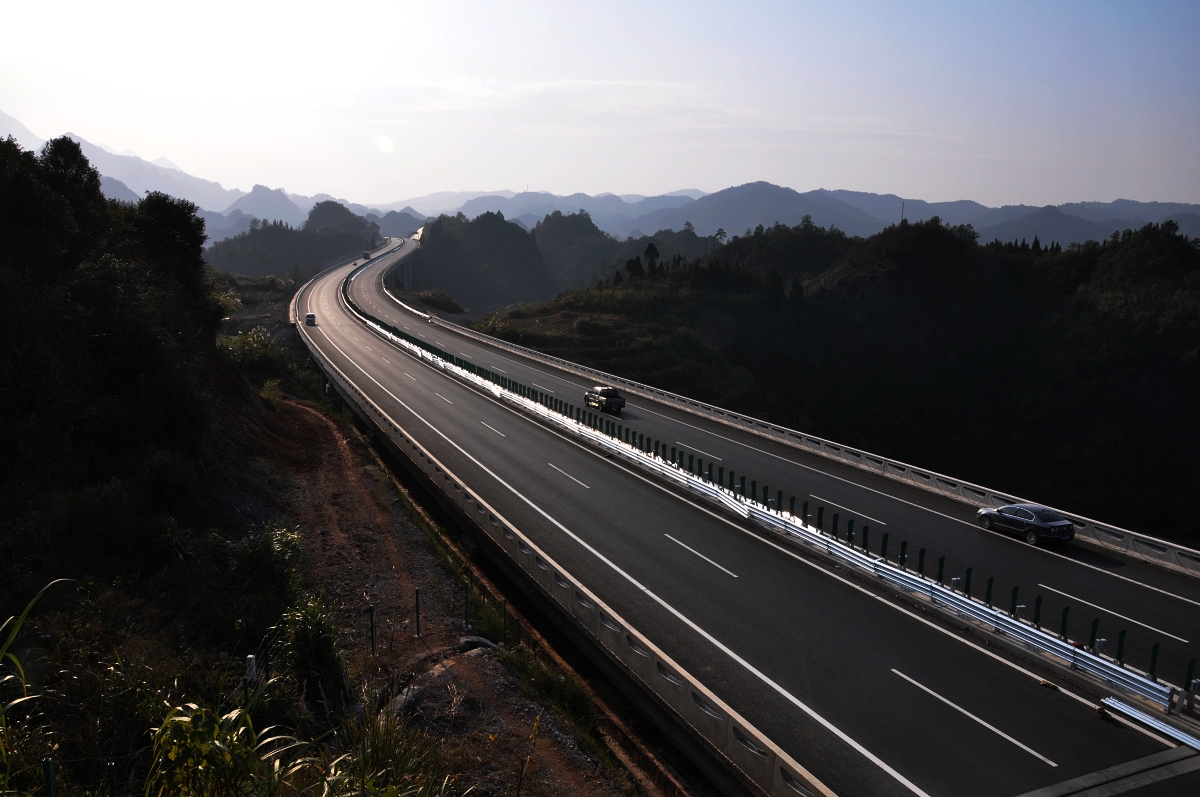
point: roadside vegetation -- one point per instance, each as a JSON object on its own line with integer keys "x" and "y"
{"x": 142, "y": 557}
{"x": 1064, "y": 375}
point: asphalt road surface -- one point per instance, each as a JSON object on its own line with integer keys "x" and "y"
{"x": 872, "y": 697}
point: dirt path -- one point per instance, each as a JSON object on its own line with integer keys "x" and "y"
{"x": 365, "y": 550}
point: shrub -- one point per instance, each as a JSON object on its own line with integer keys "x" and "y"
{"x": 309, "y": 650}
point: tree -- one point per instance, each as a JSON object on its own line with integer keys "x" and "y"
{"x": 720, "y": 236}
{"x": 633, "y": 267}
{"x": 687, "y": 225}
{"x": 652, "y": 257}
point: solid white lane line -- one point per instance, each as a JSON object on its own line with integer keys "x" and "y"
{"x": 652, "y": 596}
{"x": 443, "y": 398}
{"x": 848, "y": 509}
{"x": 497, "y": 370}
{"x": 962, "y": 710}
{"x": 410, "y": 376}
{"x": 385, "y": 359}
{"x": 702, "y": 556}
{"x": 698, "y": 451}
{"x": 569, "y": 476}
{"x": 535, "y": 384}
{"x": 998, "y": 535}
{"x": 1114, "y": 614}
{"x": 497, "y": 431}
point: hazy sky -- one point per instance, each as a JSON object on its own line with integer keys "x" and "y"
{"x": 1000, "y": 102}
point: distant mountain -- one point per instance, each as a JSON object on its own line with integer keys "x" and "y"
{"x": 24, "y": 136}
{"x": 440, "y": 202}
{"x": 747, "y": 206}
{"x": 1189, "y": 223}
{"x": 142, "y": 176}
{"x": 271, "y": 205}
{"x": 888, "y": 207}
{"x": 397, "y": 224}
{"x": 1047, "y": 224}
{"x": 611, "y": 213}
{"x": 220, "y": 226}
{"x": 1127, "y": 209}
{"x": 112, "y": 188}
{"x": 166, "y": 164}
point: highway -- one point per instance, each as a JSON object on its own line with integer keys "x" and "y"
{"x": 871, "y": 696}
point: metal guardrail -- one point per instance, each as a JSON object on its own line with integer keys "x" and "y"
{"x": 1141, "y": 546}
{"x": 1077, "y": 657}
{"x": 1169, "y": 731}
{"x": 763, "y": 762}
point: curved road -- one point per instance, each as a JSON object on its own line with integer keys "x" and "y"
{"x": 872, "y": 697}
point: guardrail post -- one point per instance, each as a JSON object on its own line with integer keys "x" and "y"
{"x": 834, "y": 529}
{"x": 1037, "y": 612}
{"x": 792, "y": 506}
{"x": 1012, "y": 607}
{"x": 941, "y": 571}
{"x": 1062, "y": 630}
{"x": 1189, "y": 685}
{"x": 804, "y": 518}
{"x": 1092, "y": 635}
{"x": 741, "y": 485}
{"x": 699, "y": 465}
{"x": 721, "y": 477}
{"x": 48, "y": 775}
{"x": 710, "y": 478}
{"x": 672, "y": 454}
{"x": 1153, "y": 663}
{"x": 111, "y": 768}
{"x": 753, "y": 488}
{"x": 921, "y": 563}
{"x": 866, "y": 539}
{"x": 988, "y": 599}
{"x": 820, "y": 518}
{"x": 903, "y": 560}
{"x": 883, "y": 547}
{"x": 778, "y": 500}
{"x": 641, "y": 442}
{"x": 967, "y": 582}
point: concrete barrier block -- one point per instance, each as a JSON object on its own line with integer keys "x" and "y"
{"x": 752, "y": 754}
{"x": 708, "y": 719}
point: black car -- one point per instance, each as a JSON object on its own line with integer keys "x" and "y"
{"x": 605, "y": 399}
{"x": 1034, "y": 522}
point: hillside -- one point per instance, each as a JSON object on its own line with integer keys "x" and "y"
{"x": 484, "y": 263}
{"x": 280, "y": 250}
{"x": 911, "y": 336}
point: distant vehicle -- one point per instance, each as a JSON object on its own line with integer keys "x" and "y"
{"x": 1034, "y": 522}
{"x": 366, "y": 255}
{"x": 605, "y": 399}
{"x": 310, "y": 320}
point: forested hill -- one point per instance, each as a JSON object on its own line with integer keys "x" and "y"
{"x": 484, "y": 263}
{"x": 331, "y": 233}
{"x": 1066, "y": 376}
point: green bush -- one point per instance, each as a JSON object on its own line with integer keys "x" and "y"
{"x": 309, "y": 650}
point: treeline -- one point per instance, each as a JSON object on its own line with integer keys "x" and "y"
{"x": 1045, "y": 372}
{"x": 330, "y": 234}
